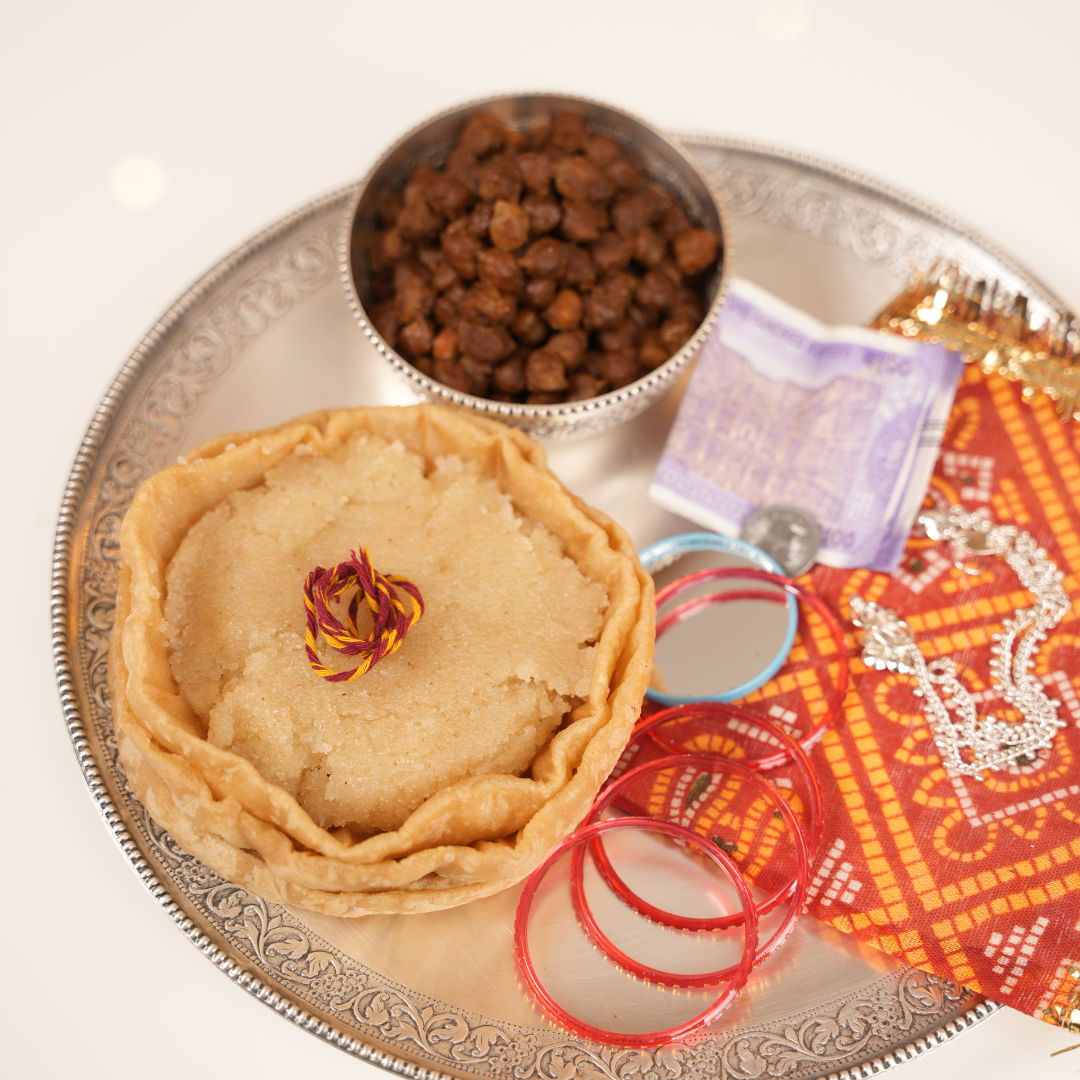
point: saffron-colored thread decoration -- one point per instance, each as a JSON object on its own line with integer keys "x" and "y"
{"x": 396, "y": 606}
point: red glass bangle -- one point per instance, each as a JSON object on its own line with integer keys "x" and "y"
{"x": 678, "y": 614}
{"x": 794, "y": 890}
{"x": 573, "y": 843}
{"x": 839, "y": 688}
{"x": 690, "y": 607}
{"x": 664, "y": 553}
{"x": 708, "y": 713}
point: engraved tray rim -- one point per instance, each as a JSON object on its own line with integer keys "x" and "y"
{"x": 66, "y": 534}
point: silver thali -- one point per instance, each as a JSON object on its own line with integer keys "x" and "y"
{"x": 267, "y": 334}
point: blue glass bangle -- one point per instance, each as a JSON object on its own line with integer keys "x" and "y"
{"x": 664, "y": 552}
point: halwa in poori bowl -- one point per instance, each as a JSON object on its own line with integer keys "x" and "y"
{"x": 446, "y": 771}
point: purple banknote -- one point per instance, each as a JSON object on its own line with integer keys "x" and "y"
{"x": 843, "y": 422}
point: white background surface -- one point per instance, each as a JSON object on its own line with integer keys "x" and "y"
{"x": 248, "y": 110}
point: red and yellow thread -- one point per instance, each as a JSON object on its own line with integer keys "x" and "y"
{"x": 396, "y": 606}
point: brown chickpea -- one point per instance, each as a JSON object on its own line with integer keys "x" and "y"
{"x": 483, "y": 303}
{"x": 656, "y": 290}
{"x": 461, "y": 164}
{"x": 443, "y": 276}
{"x": 544, "y": 371}
{"x": 501, "y": 269}
{"x": 642, "y": 318}
{"x": 414, "y": 338}
{"x": 623, "y": 336}
{"x": 478, "y": 220}
{"x": 621, "y": 284}
{"x": 487, "y": 343}
{"x": 446, "y": 304}
{"x": 539, "y": 291}
{"x": 416, "y": 187}
{"x": 612, "y": 252}
{"x": 575, "y": 177}
{"x": 509, "y": 225}
{"x": 650, "y": 247}
{"x": 482, "y": 134}
{"x": 444, "y": 345}
{"x": 618, "y": 367}
{"x": 651, "y": 353}
{"x": 602, "y": 150}
{"x": 538, "y": 133}
{"x": 688, "y": 306}
{"x": 568, "y": 132}
{"x": 448, "y": 196}
{"x": 674, "y": 333}
{"x": 544, "y": 212}
{"x": 388, "y": 247}
{"x": 582, "y": 221}
{"x": 535, "y": 172}
{"x": 529, "y": 328}
{"x": 509, "y": 376}
{"x": 603, "y": 309}
{"x": 499, "y": 178}
{"x": 582, "y": 385}
{"x": 451, "y": 373}
{"x": 580, "y": 268}
{"x": 407, "y": 269}
{"x": 673, "y": 222}
{"x": 460, "y": 249}
{"x": 667, "y": 266}
{"x": 694, "y": 250}
{"x": 623, "y": 174}
{"x": 413, "y": 297}
{"x": 545, "y": 257}
{"x": 659, "y": 200}
{"x": 418, "y": 223}
{"x": 565, "y": 311}
{"x": 478, "y": 372}
{"x": 428, "y": 256}
{"x": 570, "y": 347}
{"x": 602, "y": 189}
{"x": 630, "y": 214}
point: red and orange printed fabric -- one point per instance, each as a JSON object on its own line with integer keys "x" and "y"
{"x": 976, "y": 881}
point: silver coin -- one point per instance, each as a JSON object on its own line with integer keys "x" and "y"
{"x": 787, "y": 533}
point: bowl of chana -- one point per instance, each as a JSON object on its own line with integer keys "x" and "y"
{"x": 548, "y": 260}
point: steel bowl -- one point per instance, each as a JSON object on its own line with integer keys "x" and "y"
{"x": 659, "y": 157}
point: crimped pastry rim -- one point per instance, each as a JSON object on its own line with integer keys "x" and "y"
{"x": 255, "y": 833}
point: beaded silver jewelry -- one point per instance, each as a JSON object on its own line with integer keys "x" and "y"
{"x": 969, "y": 743}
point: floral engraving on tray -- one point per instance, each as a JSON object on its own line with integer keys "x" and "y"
{"x": 830, "y": 209}
{"x": 317, "y": 973}
{"x": 873, "y": 1024}
{"x": 178, "y": 365}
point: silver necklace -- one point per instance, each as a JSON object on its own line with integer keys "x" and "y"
{"x": 969, "y": 743}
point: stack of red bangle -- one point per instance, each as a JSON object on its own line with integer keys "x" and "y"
{"x": 727, "y": 722}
